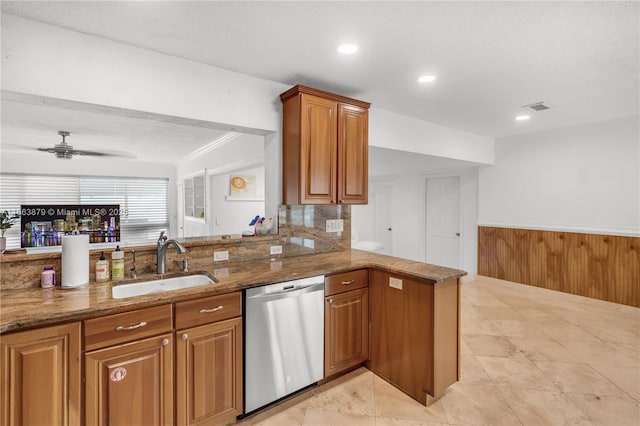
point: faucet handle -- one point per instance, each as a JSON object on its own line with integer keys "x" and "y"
{"x": 162, "y": 237}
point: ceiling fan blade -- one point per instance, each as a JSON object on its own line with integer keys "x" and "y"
{"x": 107, "y": 153}
{"x": 89, "y": 153}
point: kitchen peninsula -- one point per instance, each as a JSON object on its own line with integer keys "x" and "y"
{"x": 419, "y": 299}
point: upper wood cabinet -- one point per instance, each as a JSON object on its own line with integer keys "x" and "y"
{"x": 325, "y": 148}
{"x": 40, "y": 376}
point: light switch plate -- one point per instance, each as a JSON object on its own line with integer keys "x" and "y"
{"x": 330, "y": 225}
{"x": 220, "y": 255}
{"x": 339, "y": 225}
{"x": 395, "y": 283}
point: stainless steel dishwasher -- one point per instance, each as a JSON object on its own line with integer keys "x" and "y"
{"x": 284, "y": 343}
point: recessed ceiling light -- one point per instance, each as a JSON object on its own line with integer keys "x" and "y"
{"x": 426, "y": 79}
{"x": 523, "y": 117}
{"x": 347, "y": 48}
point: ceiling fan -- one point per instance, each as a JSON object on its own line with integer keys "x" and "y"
{"x": 66, "y": 151}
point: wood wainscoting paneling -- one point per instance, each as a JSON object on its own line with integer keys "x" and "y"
{"x": 604, "y": 267}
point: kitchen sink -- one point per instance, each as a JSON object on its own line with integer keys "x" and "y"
{"x": 160, "y": 285}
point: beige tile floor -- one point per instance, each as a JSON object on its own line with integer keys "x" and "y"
{"x": 529, "y": 357}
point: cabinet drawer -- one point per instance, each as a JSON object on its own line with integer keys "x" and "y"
{"x": 339, "y": 283}
{"x": 209, "y": 309}
{"x": 120, "y": 328}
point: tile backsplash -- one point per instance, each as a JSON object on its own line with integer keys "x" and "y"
{"x": 302, "y": 231}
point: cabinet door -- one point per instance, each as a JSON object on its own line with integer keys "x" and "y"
{"x": 40, "y": 376}
{"x": 353, "y": 154}
{"x": 209, "y": 373}
{"x": 131, "y": 384}
{"x": 318, "y": 150}
{"x": 346, "y": 330}
{"x": 402, "y": 332}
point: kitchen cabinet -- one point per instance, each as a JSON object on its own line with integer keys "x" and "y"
{"x": 40, "y": 376}
{"x": 209, "y": 360}
{"x": 129, "y": 375}
{"x": 346, "y": 316}
{"x": 414, "y": 333}
{"x": 325, "y": 148}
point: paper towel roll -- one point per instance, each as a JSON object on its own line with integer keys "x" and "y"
{"x": 75, "y": 260}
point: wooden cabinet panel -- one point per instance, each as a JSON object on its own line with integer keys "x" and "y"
{"x": 208, "y": 310}
{"x": 339, "y": 283}
{"x": 318, "y": 154}
{"x": 346, "y": 330}
{"x": 40, "y": 376}
{"x": 131, "y": 384}
{"x": 127, "y": 326}
{"x": 209, "y": 373}
{"x": 402, "y": 333}
{"x": 414, "y": 333}
{"x": 353, "y": 154}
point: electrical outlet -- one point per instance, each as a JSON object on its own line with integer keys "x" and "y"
{"x": 221, "y": 272}
{"x": 275, "y": 250}
{"x": 220, "y": 255}
{"x": 395, "y": 283}
{"x": 276, "y": 266}
{"x": 339, "y": 225}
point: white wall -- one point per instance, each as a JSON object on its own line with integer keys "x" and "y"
{"x": 233, "y": 217}
{"x": 584, "y": 179}
{"x": 50, "y": 61}
{"x": 399, "y": 132}
{"x": 408, "y": 213}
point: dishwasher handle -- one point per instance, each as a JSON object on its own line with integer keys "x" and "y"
{"x": 285, "y": 293}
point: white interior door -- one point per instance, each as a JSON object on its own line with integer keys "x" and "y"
{"x": 382, "y": 205}
{"x": 443, "y": 221}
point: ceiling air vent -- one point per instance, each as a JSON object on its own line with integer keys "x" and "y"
{"x": 538, "y": 106}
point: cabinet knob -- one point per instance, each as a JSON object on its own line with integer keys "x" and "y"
{"x": 185, "y": 336}
{"x": 330, "y": 300}
{"x": 165, "y": 342}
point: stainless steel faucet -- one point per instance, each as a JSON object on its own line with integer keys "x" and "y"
{"x": 161, "y": 252}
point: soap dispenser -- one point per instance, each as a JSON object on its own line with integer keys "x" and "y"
{"x": 102, "y": 269}
{"x": 117, "y": 264}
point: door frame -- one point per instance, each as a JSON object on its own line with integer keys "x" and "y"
{"x": 460, "y": 214}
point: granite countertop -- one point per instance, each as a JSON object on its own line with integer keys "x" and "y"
{"x": 25, "y": 308}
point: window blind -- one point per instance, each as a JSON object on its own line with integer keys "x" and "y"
{"x": 143, "y": 202}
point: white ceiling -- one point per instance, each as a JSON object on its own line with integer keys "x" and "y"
{"x": 490, "y": 58}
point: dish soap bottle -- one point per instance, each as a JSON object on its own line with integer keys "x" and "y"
{"x": 117, "y": 264}
{"x": 102, "y": 269}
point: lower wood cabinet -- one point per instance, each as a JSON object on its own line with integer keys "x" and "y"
{"x": 131, "y": 383}
{"x": 40, "y": 376}
{"x": 346, "y": 321}
{"x": 346, "y": 332}
{"x": 414, "y": 333}
{"x": 209, "y": 373}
